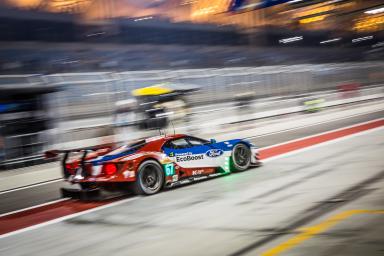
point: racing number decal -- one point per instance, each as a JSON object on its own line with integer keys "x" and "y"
{"x": 169, "y": 169}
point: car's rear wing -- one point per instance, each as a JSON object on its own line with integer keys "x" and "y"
{"x": 55, "y": 153}
{"x": 66, "y": 173}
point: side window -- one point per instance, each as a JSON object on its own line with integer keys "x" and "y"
{"x": 196, "y": 141}
{"x": 177, "y": 144}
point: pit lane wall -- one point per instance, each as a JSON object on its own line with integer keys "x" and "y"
{"x": 84, "y": 104}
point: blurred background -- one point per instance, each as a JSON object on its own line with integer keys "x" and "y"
{"x": 86, "y": 72}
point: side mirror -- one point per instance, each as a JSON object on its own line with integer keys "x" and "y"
{"x": 212, "y": 141}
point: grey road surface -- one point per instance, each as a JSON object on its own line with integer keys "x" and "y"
{"x": 48, "y": 192}
{"x": 240, "y": 214}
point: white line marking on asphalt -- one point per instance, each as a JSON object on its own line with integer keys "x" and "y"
{"x": 66, "y": 217}
{"x": 322, "y": 133}
{"x": 252, "y": 137}
{"x": 33, "y": 207}
{"x": 314, "y": 124}
{"x": 30, "y": 186}
{"x": 323, "y": 144}
{"x": 266, "y": 160}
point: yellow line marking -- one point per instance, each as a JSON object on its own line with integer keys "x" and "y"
{"x": 309, "y": 232}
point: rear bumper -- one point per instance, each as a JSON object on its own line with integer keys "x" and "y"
{"x": 255, "y": 157}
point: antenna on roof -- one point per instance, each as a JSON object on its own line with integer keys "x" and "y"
{"x": 174, "y": 132}
{"x": 162, "y": 132}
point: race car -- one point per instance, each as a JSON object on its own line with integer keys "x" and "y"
{"x": 148, "y": 165}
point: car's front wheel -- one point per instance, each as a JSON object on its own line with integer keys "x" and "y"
{"x": 241, "y": 157}
{"x": 150, "y": 178}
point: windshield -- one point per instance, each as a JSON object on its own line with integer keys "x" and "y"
{"x": 126, "y": 148}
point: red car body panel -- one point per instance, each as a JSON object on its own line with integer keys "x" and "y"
{"x": 125, "y": 167}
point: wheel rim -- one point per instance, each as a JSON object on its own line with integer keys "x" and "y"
{"x": 241, "y": 156}
{"x": 150, "y": 178}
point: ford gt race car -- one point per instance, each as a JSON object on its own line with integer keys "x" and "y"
{"x": 146, "y": 166}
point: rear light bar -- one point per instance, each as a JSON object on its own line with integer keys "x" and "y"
{"x": 109, "y": 169}
{"x": 71, "y": 167}
{"x": 67, "y": 171}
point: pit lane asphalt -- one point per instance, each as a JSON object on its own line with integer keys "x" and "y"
{"x": 248, "y": 213}
{"x": 29, "y": 197}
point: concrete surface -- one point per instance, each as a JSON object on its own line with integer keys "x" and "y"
{"x": 19, "y": 199}
{"x": 241, "y": 214}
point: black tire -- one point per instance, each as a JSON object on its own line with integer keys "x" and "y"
{"x": 241, "y": 157}
{"x": 150, "y": 178}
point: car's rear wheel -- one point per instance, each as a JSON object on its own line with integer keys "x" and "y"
{"x": 241, "y": 157}
{"x": 150, "y": 178}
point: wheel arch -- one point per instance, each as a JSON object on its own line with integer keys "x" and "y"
{"x": 148, "y": 158}
{"x": 248, "y": 145}
{"x": 235, "y": 142}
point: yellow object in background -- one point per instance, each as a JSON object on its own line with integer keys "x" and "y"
{"x": 151, "y": 90}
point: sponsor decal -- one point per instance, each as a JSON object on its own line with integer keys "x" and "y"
{"x": 200, "y": 178}
{"x": 175, "y": 178}
{"x": 214, "y": 152}
{"x": 197, "y": 172}
{"x": 184, "y": 154}
{"x": 171, "y": 154}
{"x": 165, "y": 160}
{"x": 215, "y": 174}
{"x": 129, "y": 174}
{"x": 189, "y": 158}
{"x": 169, "y": 169}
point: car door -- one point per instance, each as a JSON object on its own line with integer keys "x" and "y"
{"x": 189, "y": 153}
{"x": 214, "y": 153}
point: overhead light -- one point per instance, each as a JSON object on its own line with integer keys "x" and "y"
{"x": 291, "y": 39}
{"x": 375, "y": 11}
{"x": 330, "y": 40}
{"x": 144, "y": 18}
{"x": 96, "y": 34}
{"x": 361, "y": 39}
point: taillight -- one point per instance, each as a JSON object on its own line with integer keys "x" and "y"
{"x": 109, "y": 169}
{"x": 71, "y": 167}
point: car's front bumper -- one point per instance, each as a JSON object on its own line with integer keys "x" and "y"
{"x": 255, "y": 157}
